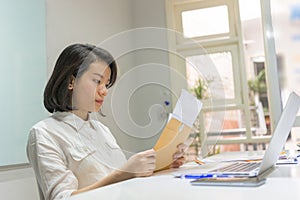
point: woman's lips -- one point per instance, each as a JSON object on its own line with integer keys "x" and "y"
{"x": 99, "y": 101}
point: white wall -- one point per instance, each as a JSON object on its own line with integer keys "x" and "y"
{"x": 138, "y": 127}
{"x": 83, "y": 21}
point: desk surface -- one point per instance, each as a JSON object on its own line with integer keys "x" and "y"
{"x": 282, "y": 183}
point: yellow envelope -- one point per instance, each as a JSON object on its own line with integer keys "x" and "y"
{"x": 173, "y": 134}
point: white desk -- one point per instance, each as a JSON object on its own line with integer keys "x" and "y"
{"x": 282, "y": 183}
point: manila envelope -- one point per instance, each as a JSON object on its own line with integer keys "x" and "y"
{"x": 173, "y": 134}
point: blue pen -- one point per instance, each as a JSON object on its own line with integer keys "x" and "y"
{"x": 198, "y": 176}
{"x": 297, "y": 158}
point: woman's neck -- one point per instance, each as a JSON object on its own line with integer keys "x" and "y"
{"x": 82, "y": 114}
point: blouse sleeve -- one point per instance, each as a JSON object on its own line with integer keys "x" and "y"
{"x": 55, "y": 180}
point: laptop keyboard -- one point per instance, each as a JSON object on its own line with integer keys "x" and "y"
{"x": 238, "y": 167}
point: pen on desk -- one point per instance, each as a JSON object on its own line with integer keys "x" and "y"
{"x": 198, "y": 176}
{"x": 296, "y": 159}
{"x": 199, "y": 161}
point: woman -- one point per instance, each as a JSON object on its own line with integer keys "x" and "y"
{"x": 72, "y": 151}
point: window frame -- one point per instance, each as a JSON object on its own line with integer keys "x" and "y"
{"x": 188, "y": 46}
{"x": 233, "y": 49}
{"x": 194, "y": 5}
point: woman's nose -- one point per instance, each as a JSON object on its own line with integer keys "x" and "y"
{"x": 102, "y": 90}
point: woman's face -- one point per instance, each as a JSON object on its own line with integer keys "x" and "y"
{"x": 90, "y": 89}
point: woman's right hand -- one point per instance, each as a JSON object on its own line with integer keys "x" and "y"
{"x": 141, "y": 164}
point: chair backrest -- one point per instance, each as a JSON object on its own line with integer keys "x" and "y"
{"x": 18, "y": 184}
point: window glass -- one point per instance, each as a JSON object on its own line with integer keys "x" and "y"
{"x": 205, "y": 21}
{"x": 215, "y": 70}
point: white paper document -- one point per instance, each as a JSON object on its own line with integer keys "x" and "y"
{"x": 187, "y": 108}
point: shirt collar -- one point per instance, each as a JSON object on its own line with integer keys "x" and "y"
{"x": 73, "y": 120}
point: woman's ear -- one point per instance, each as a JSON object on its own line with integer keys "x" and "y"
{"x": 71, "y": 83}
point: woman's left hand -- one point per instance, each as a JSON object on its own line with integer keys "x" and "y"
{"x": 179, "y": 156}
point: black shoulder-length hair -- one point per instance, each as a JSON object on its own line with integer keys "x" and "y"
{"x": 73, "y": 61}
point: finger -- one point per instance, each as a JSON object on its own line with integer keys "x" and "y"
{"x": 176, "y": 164}
{"x": 181, "y": 159}
{"x": 181, "y": 147}
{"x": 150, "y": 152}
{"x": 186, "y": 143}
{"x": 151, "y": 161}
{"x": 143, "y": 160}
{"x": 148, "y": 158}
{"x": 149, "y": 168}
{"x": 178, "y": 155}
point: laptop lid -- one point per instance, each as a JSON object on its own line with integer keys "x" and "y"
{"x": 276, "y": 145}
{"x": 281, "y": 132}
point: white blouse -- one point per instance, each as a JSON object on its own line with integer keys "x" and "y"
{"x": 68, "y": 153}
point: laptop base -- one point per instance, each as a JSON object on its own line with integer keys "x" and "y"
{"x": 236, "y": 182}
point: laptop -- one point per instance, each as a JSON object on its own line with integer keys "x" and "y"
{"x": 280, "y": 135}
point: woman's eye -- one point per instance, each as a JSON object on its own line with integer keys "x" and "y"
{"x": 97, "y": 81}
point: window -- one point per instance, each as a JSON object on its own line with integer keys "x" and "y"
{"x": 223, "y": 80}
{"x": 193, "y": 22}
{"x": 212, "y": 44}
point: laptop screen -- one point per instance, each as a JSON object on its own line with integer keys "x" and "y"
{"x": 281, "y": 132}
